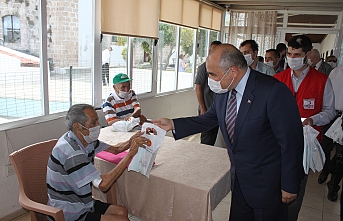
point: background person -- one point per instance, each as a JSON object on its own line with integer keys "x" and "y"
{"x": 315, "y": 61}
{"x": 282, "y": 49}
{"x": 332, "y": 61}
{"x": 314, "y": 96}
{"x": 336, "y": 77}
{"x": 122, "y": 103}
{"x": 71, "y": 170}
{"x": 272, "y": 59}
{"x": 265, "y": 147}
{"x": 106, "y": 58}
{"x": 205, "y": 98}
{"x": 249, "y": 49}
{"x": 182, "y": 64}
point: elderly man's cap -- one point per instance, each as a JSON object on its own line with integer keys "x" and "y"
{"x": 121, "y": 78}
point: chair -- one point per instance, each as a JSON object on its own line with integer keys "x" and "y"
{"x": 30, "y": 164}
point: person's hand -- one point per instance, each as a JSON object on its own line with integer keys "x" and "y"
{"x": 142, "y": 119}
{"x": 138, "y": 134}
{"x": 164, "y": 123}
{"x": 138, "y": 142}
{"x": 202, "y": 111}
{"x": 308, "y": 121}
{"x": 288, "y": 197}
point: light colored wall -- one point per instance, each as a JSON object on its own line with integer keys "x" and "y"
{"x": 328, "y": 44}
{"x": 174, "y": 105}
{"x": 14, "y": 139}
{"x": 316, "y": 46}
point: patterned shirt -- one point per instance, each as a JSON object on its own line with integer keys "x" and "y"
{"x": 70, "y": 173}
{"x": 118, "y": 108}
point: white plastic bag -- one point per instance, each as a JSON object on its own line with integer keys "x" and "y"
{"x": 313, "y": 157}
{"x": 125, "y": 125}
{"x": 144, "y": 159}
{"x": 335, "y": 131}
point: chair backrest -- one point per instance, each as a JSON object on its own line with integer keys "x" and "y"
{"x": 30, "y": 164}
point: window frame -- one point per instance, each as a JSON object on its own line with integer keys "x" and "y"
{"x": 12, "y": 29}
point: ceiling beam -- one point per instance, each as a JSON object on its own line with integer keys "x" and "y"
{"x": 310, "y": 30}
{"x": 323, "y": 5}
{"x": 249, "y": 2}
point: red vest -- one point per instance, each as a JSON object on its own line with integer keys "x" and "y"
{"x": 310, "y": 93}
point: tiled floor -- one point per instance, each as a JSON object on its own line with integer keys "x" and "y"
{"x": 315, "y": 207}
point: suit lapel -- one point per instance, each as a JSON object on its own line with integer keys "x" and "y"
{"x": 245, "y": 105}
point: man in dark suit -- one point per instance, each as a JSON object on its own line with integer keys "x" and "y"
{"x": 315, "y": 61}
{"x": 266, "y": 147}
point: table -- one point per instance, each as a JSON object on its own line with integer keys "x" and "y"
{"x": 187, "y": 181}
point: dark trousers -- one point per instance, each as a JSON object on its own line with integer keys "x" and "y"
{"x": 105, "y": 74}
{"x": 209, "y": 137}
{"x": 328, "y": 144}
{"x": 295, "y": 206}
{"x": 241, "y": 211}
{"x": 335, "y": 179}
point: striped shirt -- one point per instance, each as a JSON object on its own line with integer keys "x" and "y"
{"x": 70, "y": 173}
{"x": 118, "y": 108}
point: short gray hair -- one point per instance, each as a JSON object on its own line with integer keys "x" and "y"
{"x": 76, "y": 114}
{"x": 231, "y": 56}
{"x": 315, "y": 53}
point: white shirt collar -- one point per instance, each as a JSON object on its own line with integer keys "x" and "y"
{"x": 243, "y": 82}
{"x": 318, "y": 64}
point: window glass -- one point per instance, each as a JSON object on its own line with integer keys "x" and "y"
{"x": 11, "y": 28}
{"x": 69, "y": 52}
{"x": 20, "y": 85}
{"x": 118, "y": 61}
{"x": 202, "y": 46}
{"x": 142, "y": 65}
{"x": 166, "y": 76}
{"x": 186, "y": 58}
{"x": 214, "y": 36}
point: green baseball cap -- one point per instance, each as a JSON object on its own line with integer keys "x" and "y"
{"x": 121, "y": 78}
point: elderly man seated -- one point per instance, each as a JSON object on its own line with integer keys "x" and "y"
{"x": 71, "y": 171}
{"x": 122, "y": 103}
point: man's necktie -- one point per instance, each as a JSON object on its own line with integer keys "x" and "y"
{"x": 231, "y": 115}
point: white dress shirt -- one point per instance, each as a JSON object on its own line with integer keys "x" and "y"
{"x": 336, "y": 77}
{"x": 317, "y": 66}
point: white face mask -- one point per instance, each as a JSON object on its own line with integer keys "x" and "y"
{"x": 269, "y": 63}
{"x": 332, "y": 64}
{"x": 309, "y": 62}
{"x": 123, "y": 94}
{"x": 296, "y": 63}
{"x": 249, "y": 59}
{"x": 216, "y": 87}
{"x": 94, "y": 133}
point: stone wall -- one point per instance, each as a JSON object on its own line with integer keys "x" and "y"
{"x": 62, "y": 19}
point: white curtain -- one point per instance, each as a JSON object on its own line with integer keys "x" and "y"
{"x": 259, "y": 26}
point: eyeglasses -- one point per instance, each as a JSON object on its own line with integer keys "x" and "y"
{"x": 332, "y": 61}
